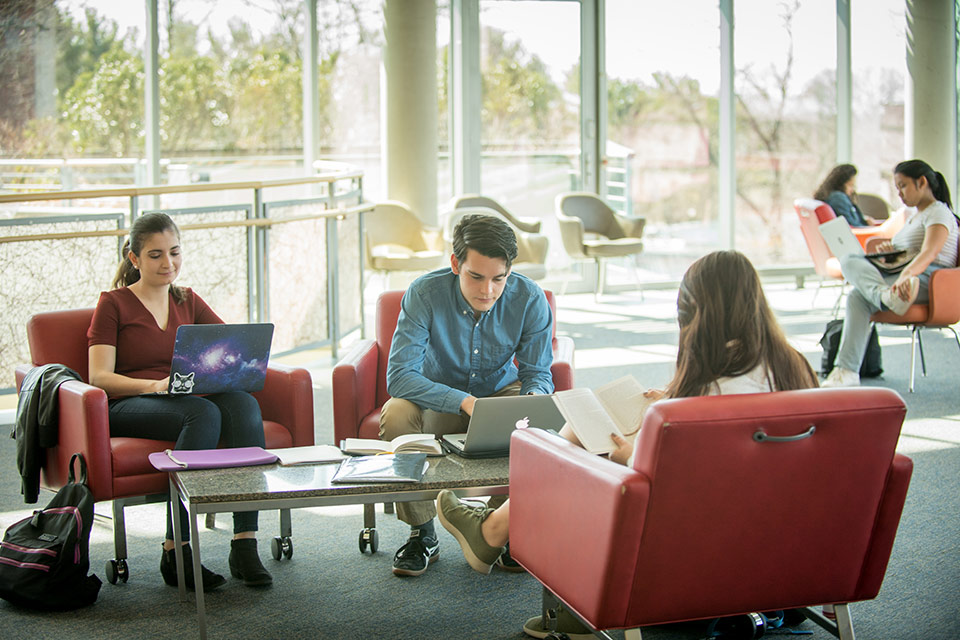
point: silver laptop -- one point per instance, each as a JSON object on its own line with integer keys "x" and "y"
{"x": 838, "y": 236}
{"x": 494, "y": 419}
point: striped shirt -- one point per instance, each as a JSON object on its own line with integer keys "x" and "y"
{"x": 911, "y": 236}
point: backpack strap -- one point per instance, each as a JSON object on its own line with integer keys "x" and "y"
{"x": 83, "y": 469}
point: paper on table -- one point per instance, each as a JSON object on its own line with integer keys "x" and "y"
{"x": 313, "y": 454}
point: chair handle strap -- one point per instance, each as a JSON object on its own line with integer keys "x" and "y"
{"x": 761, "y": 436}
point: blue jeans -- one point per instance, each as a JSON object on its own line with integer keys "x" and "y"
{"x": 195, "y": 422}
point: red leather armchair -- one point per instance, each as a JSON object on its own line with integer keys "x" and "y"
{"x": 360, "y": 378}
{"x": 118, "y": 468}
{"x": 734, "y": 504}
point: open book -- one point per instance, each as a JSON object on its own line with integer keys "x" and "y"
{"x": 614, "y": 408}
{"x": 409, "y": 443}
{"x": 313, "y": 454}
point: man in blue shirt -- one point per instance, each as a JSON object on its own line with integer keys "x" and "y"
{"x": 458, "y": 332}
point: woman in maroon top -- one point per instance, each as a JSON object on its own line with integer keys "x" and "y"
{"x": 131, "y": 340}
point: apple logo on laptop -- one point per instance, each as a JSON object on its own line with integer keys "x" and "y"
{"x": 523, "y": 423}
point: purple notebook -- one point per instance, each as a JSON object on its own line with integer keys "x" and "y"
{"x": 181, "y": 460}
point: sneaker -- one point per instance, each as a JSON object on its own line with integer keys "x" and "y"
{"x": 506, "y": 563}
{"x": 566, "y": 624}
{"x": 897, "y": 304}
{"x": 464, "y": 522}
{"x": 413, "y": 558}
{"x": 841, "y": 377}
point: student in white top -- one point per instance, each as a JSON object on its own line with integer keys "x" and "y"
{"x": 730, "y": 342}
{"x": 931, "y": 230}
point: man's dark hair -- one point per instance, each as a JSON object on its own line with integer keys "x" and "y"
{"x": 487, "y": 235}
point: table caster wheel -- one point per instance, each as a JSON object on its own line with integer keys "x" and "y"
{"x": 281, "y": 547}
{"x": 117, "y": 570}
{"x": 111, "y": 570}
{"x": 369, "y": 538}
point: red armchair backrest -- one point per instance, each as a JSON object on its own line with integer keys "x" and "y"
{"x": 772, "y": 522}
{"x": 388, "y": 310}
{"x": 812, "y": 213}
{"x": 60, "y": 337}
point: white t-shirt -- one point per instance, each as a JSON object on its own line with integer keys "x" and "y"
{"x": 911, "y": 236}
{"x": 757, "y": 380}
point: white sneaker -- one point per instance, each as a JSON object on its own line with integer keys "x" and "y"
{"x": 841, "y": 377}
{"x": 897, "y": 304}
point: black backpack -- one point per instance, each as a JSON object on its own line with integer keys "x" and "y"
{"x": 44, "y": 559}
{"x": 872, "y": 365}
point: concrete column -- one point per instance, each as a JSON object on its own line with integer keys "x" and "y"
{"x": 930, "y": 116}
{"x": 410, "y": 95}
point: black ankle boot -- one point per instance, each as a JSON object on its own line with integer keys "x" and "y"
{"x": 245, "y": 563}
{"x": 168, "y": 569}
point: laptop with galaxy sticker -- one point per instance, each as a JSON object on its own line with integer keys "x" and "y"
{"x": 213, "y": 358}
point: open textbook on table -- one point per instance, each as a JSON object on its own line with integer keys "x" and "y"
{"x": 594, "y": 414}
{"x": 407, "y": 443}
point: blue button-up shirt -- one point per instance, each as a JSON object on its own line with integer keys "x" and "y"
{"x": 441, "y": 353}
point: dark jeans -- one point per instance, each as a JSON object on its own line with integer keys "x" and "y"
{"x": 195, "y": 422}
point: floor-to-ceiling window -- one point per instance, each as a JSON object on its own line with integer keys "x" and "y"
{"x": 785, "y": 58}
{"x": 878, "y": 45}
{"x": 663, "y": 80}
{"x": 530, "y": 106}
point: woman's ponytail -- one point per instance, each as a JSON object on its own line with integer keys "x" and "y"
{"x": 127, "y": 274}
{"x": 940, "y": 189}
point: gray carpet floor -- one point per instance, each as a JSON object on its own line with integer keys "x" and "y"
{"x": 329, "y": 590}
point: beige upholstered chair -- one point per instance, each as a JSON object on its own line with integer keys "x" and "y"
{"x": 531, "y": 247}
{"x": 590, "y": 229}
{"x": 397, "y": 240}
{"x": 873, "y": 206}
{"x": 523, "y": 223}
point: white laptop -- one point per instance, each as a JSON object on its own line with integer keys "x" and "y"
{"x": 494, "y": 419}
{"x": 839, "y": 237}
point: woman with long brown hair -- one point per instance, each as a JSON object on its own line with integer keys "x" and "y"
{"x": 130, "y": 340}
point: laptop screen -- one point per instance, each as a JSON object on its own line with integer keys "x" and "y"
{"x": 212, "y": 358}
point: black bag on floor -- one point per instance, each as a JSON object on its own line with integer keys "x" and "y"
{"x": 872, "y": 365}
{"x": 44, "y": 559}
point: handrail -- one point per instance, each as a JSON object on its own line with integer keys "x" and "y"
{"x": 183, "y": 188}
{"x": 255, "y": 222}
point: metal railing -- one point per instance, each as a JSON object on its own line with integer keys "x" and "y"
{"x": 278, "y": 251}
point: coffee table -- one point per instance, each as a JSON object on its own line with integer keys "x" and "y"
{"x": 274, "y": 486}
